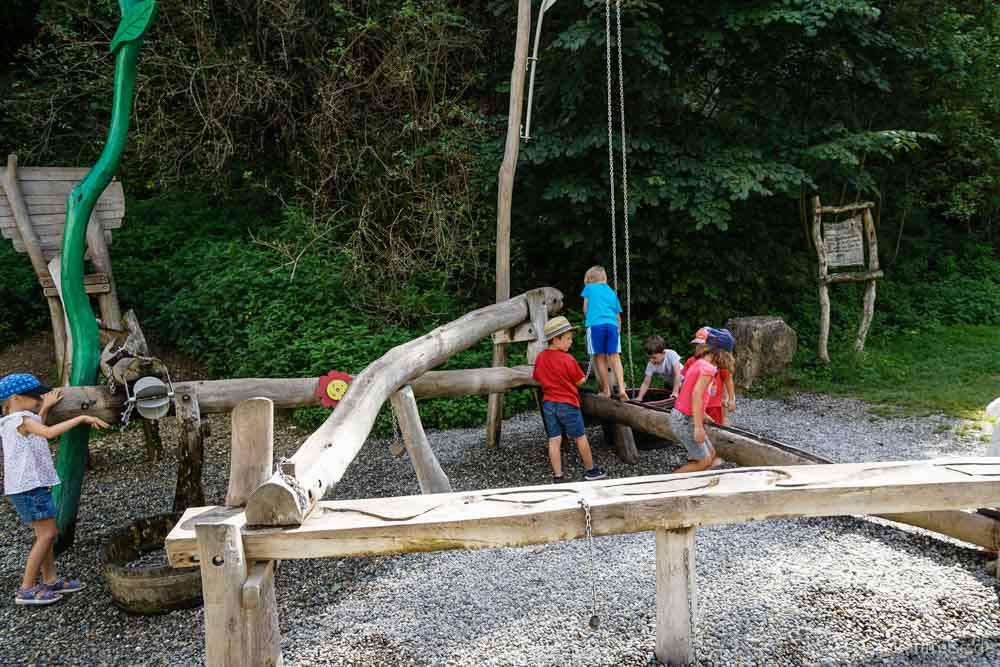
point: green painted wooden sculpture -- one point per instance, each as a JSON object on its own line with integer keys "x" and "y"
{"x": 136, "y": 17}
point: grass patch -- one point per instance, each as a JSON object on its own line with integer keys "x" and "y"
{"x": 953, "y": 370}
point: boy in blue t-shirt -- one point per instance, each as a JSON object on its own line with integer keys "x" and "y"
{"x": 603, "y": 313}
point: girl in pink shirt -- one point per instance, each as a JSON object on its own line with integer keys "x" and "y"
{"x": 687, "y": 419}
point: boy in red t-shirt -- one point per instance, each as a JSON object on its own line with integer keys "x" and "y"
{"x": 560, "y": 376}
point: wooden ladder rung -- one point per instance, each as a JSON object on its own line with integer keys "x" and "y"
{"x": 94, "y": 283}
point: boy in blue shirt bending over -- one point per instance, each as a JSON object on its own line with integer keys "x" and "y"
{"x": 603, "y": 313}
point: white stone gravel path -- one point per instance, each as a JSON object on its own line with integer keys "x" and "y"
{"x": 840, "y": 591}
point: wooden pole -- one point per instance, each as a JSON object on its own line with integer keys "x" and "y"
{"x": 190, "y": 453}
{"x": 824, "y": 290}
{"x": 676, "y": 596}
{"x": 111, "y": 312}
{"x": 505, "y": 193}
{"x": 236, "y": 636}
{"x": 252, "y": 452}
{"x": 868, "y": 311}
{"x": 215, "y": 396}
{"x": 429, "y": 473}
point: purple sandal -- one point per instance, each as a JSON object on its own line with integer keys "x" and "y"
{"x": 36, "y": 595}
{"x": 64, "y": 585}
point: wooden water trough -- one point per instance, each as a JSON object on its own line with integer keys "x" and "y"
{"x": 237, "y": 562}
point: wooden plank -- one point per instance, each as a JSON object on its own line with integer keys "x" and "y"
{"x": 95, "y": 288}
{"x": 58, "y": 206}
{"x": 318, "y": 464}
{"x": 522, "y": 333}
{"x": 52, "y": 173}
{"x": 536, "y": 515}
{"x": 52, "y": 245}
{"x": 676, "y": 596}
{"x": 51, "y": 223}
{"x": 850, "y": 208}
{"x": 853, "y": 277}
{"x": 252, "y": 451}
{"x": 62, "y": 187}
{"x": 429, "y": 473}
{"x": 89, "y": 279}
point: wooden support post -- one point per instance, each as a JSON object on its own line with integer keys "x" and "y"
{"x": 66, "y": 363}
{"x": 868, "y": 311}
{"x": 824, "y": 289}
{"x": 236, "y": 635}
{"x": 429, "y": 473}
{"x": 505, "y": 193}
{"x": 625, "y": 444}
{"x": 676, "y": 596}
{"x": 252, "y": 452}
{"x": 152, "y": 440}
{"x": 538, "y": 313}
{"x": 190, "y": 452}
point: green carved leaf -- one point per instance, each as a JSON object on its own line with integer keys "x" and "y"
{"x": 137, "y": 18}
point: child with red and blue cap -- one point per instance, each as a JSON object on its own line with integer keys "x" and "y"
{"x": 28, "y": 478}
{"x": 687, "y": 419}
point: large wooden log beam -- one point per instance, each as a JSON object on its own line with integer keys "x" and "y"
{"x": 747, "y": 451}
{"x": 430, "y": 475}
{"x": 325, "y": 455}
{"x": 216, "y": 396}
{"x": 536, "y": 515}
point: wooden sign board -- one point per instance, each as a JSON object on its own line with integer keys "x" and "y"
{"x": 844, "y": 241}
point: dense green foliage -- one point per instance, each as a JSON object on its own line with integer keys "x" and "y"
{"x": 312, "y": 182}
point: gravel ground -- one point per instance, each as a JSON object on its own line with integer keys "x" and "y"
{"x": 814, "y": 591}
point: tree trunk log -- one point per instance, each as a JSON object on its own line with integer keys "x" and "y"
{"x": 252, "y": 451}
{"x": 324, "y": 457}
{"x": 676, "y": 596}
{"x": 152, "y": 440}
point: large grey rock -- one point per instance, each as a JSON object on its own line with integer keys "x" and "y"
{"x": 765, "y": 346}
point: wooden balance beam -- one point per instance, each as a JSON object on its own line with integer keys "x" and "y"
{"x": 673, "y": 506}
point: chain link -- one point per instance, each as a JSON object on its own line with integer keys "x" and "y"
{"x": 595, "y": 620}
{"x": 628, "y": 247}
{"x": 127, "y": 412}
{"x": 611, "y": 146}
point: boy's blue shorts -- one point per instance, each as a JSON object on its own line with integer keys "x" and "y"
{"x": 562, "y": 417}
{"x": 34, "y": 505}
{"x": 603, "y": 339}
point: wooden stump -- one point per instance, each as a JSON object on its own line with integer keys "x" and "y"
{"x": 190, "y": 453}
{"x": 252, "y": 452}
{"x": 622, "y": 440}
{"x": 675, "y": 596}
{"x": 152, "y": 440}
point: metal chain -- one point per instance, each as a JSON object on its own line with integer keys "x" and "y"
{"x": 127, "y": 412}
{"x": 628, "y": 248}
{"x": 611, "y": 144}
{"x": 595, "y": 620}
{"x": 293, "y": 484}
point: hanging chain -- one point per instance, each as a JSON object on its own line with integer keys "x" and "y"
{"x": 127, "y": 412}
{"x": 611, "y": 145}
{"x": 595, "y": 620}
{"x": 628, "y": 247}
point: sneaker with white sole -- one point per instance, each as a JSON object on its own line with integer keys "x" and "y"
{"x": 595, "y": 474}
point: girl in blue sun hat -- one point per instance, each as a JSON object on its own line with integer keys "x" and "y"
{"x": 28, "y": 478}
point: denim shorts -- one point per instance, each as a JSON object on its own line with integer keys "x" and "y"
{"x": 562, "y": 418}
{"x": 34, "y": 505}
{"x": 683, "y": 428}
{"x": 603, "y": 339}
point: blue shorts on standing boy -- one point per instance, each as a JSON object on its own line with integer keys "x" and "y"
{"x": 603, "y": 313}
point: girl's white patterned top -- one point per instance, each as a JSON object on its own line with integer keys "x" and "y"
{"x": 27, "y": 461}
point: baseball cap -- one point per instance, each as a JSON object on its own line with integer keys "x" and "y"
{"x": 24, "y": 384}
{"x": 701, "y": 336}
{"x": 556, "y": 326}
{"x": 720, "y": 339}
